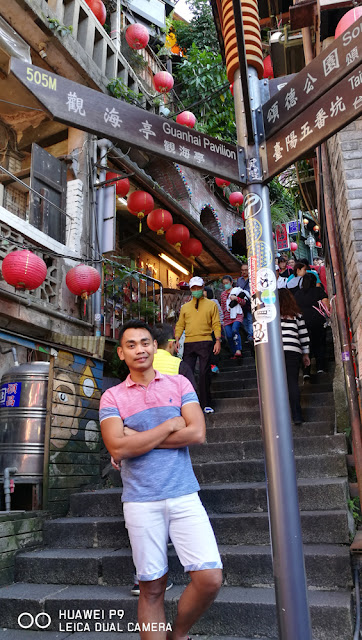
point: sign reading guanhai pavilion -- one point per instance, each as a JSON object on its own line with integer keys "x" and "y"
{"x": 93, "y": 111}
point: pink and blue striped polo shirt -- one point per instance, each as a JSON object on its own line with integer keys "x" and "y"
{"x": 160, "y": 473}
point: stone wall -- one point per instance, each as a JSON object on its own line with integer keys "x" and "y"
{"x": 18, "y": 530}
{"x": 345, "y": 155}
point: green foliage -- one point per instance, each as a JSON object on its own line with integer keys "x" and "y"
{"x": 119, "y": 89}
{"x": 355, "y": 508}
{"x": 200, "y": 31}
{"x": 56, "y": 26}
{"x": 119, "y": 368}
{"x": 283, "y": 203}
{"x": 199, "y": 75}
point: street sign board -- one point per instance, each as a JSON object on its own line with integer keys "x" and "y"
{"x": 333, "y": 111}
{"x": 93, "y": 111}
{"x": 340, "y": 58}
{"x": 293, "y": 227}
{"x": 281, "y": 236}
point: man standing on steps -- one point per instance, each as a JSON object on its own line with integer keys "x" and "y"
{"x": 147, "y": 422}
{"x": 199, "y": 318}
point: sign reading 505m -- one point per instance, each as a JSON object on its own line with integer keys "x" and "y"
{"x": 42, "y": 78}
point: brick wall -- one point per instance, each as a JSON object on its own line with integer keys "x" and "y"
{"x": 193, "y": 192}
{"x": 345, "y": 155}
{"x": 202, "y": 196}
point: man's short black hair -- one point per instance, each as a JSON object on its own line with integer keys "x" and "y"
{"x": 282, "y": 259}
{"x": 209, "y": 292}
{"x": 136, "y": 324}
{"x": 227, "y": 277}
{"x": 305, "y": 261}
{"x": 164, "y": 333}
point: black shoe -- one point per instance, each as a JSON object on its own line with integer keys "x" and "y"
{"x": 135, "y": 591}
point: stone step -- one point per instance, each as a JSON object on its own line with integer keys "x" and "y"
{"x": 329, "y": 527}
{"x": 327, "y": 566}
{"x": 247, "y": 402}
{"x": 240, "y": 410}
{"x": 240, "y": 450}
{"x": 250, "y": 383}
{"x": 229, "y": 427}
{"x": 238, "y": 611}
{"x": 321, "y": 493}
{"x": 313, "y": 466}
{"x": 318, "y": 527}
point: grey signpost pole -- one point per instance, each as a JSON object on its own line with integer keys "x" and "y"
{"x": 285, "y": 526}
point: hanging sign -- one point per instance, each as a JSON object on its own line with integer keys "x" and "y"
{"x": 341, "y": 57}
{"x": 281, "y": 237}
{"x": 333, "y": 111}
{"x": 93, "y": 111}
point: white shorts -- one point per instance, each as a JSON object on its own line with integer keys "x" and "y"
{"x": 185, "y": 521}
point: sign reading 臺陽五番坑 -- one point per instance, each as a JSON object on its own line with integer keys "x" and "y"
{"x": 324, "y": 117}
{"x": 93, "y": 111}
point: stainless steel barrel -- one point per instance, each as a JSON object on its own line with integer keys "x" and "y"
{"x": 22, "y": 420}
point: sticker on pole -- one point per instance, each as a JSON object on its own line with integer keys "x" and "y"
{"x": 252, "y": 264}
{"x": 268, "y": 296}
{"x": 266, "y": 280}
{"x": 252, "y": 205}
{"x": 260, "y": 332}
{"x": 267, "y": 313}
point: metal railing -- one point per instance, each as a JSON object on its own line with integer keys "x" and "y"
{"x": 130, "y": 294}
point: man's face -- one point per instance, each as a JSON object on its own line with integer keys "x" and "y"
{"x": 137, "y": 349}
{"x": 244, "y": 271}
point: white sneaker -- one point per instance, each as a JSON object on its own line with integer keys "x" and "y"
{"x": 208, "y": 410}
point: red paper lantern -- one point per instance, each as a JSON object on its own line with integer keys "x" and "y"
{"x": 293, "y": 246}
{"x": 232, "y": 89}
{"x": 316, "y": 228}
{"x": 222, "y": 183}
{"x": 137, "y": 36}
{"x": 83, "y": 280}
{"x": 159, "y": 220}
{"x": 24, "y": 270}
{"x": 163, "y": 81}
{"x": 318, "y": 245}
{"x": 99, "y": 10}
{"x": 122, "y": 186}
{"x": 177, "y": 234}
{"x": 236, "y": 199}
{"x": 347, "y": 20}
{"x": 191, "y": 248}
{"x": 268, "y": 67}
{"x": 140, "y": 204}
{"x": 187, "y": 118}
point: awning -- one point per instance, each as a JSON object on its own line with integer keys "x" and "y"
{"x": 215, "y": 260}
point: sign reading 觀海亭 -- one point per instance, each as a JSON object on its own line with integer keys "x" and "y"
{"x": 340, "y": 58}
{"x": 100, "y": 114}
{"x": 333, "y": 111}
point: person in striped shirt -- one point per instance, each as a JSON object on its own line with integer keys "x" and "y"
{"x": 296, "y": 348}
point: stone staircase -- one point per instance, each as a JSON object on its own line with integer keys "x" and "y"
{"x": 87, "y": 561}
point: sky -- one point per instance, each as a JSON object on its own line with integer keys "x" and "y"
{"x": 183, "y": 10}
